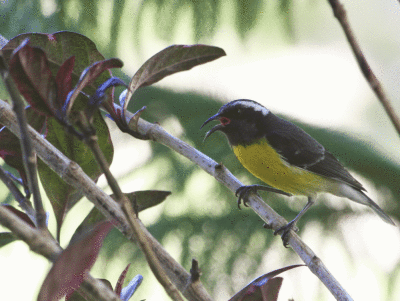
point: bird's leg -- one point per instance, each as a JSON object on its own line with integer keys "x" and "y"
{"x": 292, "y": 225}
{"x": 243, "y": 191}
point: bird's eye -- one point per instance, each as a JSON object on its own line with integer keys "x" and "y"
{"x": 239, "y": 111}
{"x": 224, "y": 120}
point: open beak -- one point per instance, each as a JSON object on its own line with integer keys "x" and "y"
{"x": 215, "y": 128}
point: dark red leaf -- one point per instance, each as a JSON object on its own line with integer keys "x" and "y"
{"x": 171, "y": 60}
{"x": 265, "y": 287}
{"x": 10, "y": 147}
{"x": 30, "y": 70}
{"x": 20, "y": 214}
{"x": 71, "y": 268}
{"x": 121, "y": 279}
{"x": 64, "y": 80}
{"x": 88, "y": 76}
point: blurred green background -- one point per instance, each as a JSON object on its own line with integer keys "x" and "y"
{"x": 291, "y": 56}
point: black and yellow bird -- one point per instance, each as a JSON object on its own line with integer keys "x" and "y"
{"x": 285, "y": 157}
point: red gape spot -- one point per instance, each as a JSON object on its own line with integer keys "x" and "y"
{"x": 224, "y": 120}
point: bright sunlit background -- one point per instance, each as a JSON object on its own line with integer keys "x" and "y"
{"x": 291, "y": 56}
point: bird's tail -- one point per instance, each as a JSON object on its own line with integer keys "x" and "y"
{"x": 360, "y": 197}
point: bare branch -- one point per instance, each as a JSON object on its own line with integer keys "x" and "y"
{"x": 91, "y": 140}
{"x": 28, "y": 154}
{"x": 373, "y": 81}
{"x": 225, "y": 177}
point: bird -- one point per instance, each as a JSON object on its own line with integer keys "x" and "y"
{"x": 284, "y": 157}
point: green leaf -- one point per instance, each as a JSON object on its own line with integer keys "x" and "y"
{"x": 145, "y": 199}
{"x": 63, "y": 196}
{"x": 171, "y": 60}
{"x": 6, "y": 238}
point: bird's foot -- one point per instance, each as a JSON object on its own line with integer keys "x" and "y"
{"x": 285, "y": 230}
{"x": 243, "y": 191}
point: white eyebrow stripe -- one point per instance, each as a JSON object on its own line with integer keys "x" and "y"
{"x": 255, "y": 106}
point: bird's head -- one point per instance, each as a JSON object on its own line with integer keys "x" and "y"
{"x": 240, "y": 120}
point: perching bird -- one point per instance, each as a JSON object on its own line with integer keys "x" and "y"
{"x": 285, "y": 157}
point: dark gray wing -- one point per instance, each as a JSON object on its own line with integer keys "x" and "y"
{"x": 299, "y": 149}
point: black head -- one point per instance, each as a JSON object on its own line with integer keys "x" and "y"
{"x": 240, "y": 120}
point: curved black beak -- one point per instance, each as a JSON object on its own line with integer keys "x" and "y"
{"x": 215, "y": 128}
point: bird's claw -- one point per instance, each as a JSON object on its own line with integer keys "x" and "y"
{"x": 242, "y": 193}
{"x": 284, "y": 232}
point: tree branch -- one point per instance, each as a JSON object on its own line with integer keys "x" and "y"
{"x": 373, "y": 81}
{"x": 28, "y": 154}
{"x": 73, "y": 175}
{"x": 225, "y": 177}
{"x": 91, "y": 140}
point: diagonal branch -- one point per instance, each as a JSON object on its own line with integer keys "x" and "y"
{"x": 225, "y": 177}
{"x": 373, "y": 81}
{"x": 91, "y": 140}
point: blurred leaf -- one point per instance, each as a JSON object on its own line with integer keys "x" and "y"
{"x": 261, "y": 288}
{"x": 62, "y": 195}
{"x": 171, "y": 60}
{"x": 31, "y": 72}
{"x": 247, "y": 14}
{"x": 72, "y": 266}
{"x": 121, "y": 279}
{"x": 6, "y": 238}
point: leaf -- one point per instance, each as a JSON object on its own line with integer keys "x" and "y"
{"x": 59, "y": 47}
{"x": 10, "y": 147}
{"x": 22, "y": 215}
{"x": 64, "y": 80}
{"x": 265, "y": 287}
{"x": 171, "y": 60}
{"x": 72, "y": 266}
{"x": 88, "y": 76}
{"x": 6, "y": 238}
{"x": 63, "y": 196}
{"x": 31, "y": 72}
{"x": 121, "y": 279}
{"x": 145, "y": 199}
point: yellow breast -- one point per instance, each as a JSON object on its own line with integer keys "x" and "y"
{"x": 266, "y": 164}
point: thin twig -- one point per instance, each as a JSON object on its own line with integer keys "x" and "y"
{"x": 28, "y": 154}
{"x": 373, "y": 81}
{"x": 42, "y": 243}
{"x": 19, "y": 197}
{"x": 72, "y": 174}
{"x": 144, "y": 243}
